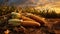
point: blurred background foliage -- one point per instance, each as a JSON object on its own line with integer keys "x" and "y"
{"x": 44, "y": 13}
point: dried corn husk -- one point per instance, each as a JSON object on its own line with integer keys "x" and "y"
{"x": 14, "y": 22}
{"x": 16, "y": 15}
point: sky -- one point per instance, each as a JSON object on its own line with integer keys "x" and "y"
{"x": 55, "y": 4}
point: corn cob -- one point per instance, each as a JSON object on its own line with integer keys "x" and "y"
{"x": 30, "y": 23}
{"x": 36, "y": 18}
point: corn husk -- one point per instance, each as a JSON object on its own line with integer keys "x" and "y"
{"x": 14, "y": 22}
{"x": 16, "y": 15}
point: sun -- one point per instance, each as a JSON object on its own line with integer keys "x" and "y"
{"x": 57, "y": 10}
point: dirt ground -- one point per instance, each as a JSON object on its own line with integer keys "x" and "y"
{"x": 53, "y": 27}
